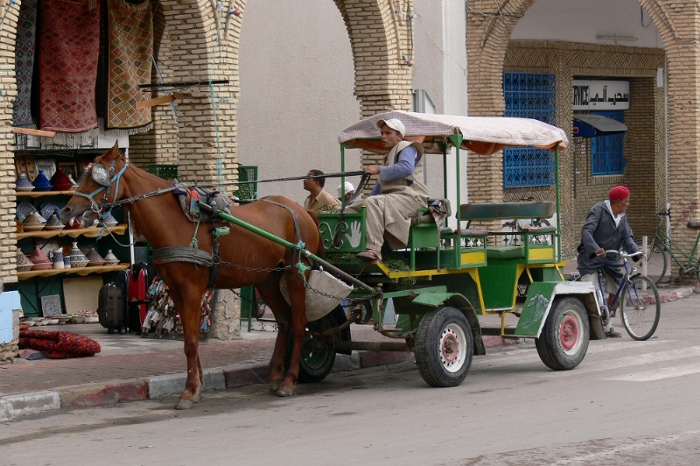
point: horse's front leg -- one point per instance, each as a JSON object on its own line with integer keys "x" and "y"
{"x": 188, "y": 303}
{"x": 297, "y": 297}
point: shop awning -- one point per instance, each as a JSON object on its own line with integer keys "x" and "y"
{"x": 588, "y": 125}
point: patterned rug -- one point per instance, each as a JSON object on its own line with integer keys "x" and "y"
{"x": 57, "y": 344}
{"x": 130, "y": 53}
{"x": 24, "y": 63}
{"x": 69, "y": 45}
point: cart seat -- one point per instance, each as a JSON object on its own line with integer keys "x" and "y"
{"x": 505, "y": 252}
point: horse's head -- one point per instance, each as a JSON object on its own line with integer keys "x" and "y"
{"x": 99, "y": 187}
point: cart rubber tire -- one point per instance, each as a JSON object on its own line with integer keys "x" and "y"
{"x": 314, "y": 364}
{"x": 563, "y": 343}
{"x": 444, "y": 347}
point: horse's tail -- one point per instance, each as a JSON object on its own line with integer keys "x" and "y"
{"x": 321, "y": 249}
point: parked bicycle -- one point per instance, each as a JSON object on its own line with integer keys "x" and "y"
{"x": 662, "y": 246}
{"x": 517, "y": 226}
{"x": 640, "y": 316}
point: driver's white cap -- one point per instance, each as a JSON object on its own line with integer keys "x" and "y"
{"x": 393, "y": 123}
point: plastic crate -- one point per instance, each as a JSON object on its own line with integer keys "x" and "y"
{"x": 165, "y": 171}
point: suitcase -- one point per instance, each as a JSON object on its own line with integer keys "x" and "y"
{"x": 140, "y": 277}
{"x": 111, "y": 307}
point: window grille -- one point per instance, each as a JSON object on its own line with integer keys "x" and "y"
{"x": 608, "y": 152}
{"x": 529, "y": 95}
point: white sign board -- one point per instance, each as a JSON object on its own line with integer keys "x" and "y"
{"x": 593, "y": 94}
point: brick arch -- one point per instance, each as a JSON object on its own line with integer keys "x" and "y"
{"x": 379, "y": 40}
{"x": 196, "y": 43}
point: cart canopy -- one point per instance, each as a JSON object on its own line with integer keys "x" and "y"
{"x": 483, "y": 135}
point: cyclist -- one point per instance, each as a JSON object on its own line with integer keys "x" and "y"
{"x": 606, "y": 228}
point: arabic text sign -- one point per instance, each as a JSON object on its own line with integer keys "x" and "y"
{"x": 601, "y": 95}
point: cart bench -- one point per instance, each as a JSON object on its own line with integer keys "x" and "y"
{"x": 528, "y": 252}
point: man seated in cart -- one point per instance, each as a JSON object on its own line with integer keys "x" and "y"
{"x": 397, "y": 196}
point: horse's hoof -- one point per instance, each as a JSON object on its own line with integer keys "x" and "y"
{"x": 184, "y": 403}
{"x": 285, "y": 391}
{"x": 275, "y": 386}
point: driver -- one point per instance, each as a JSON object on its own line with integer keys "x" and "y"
{"x": 397, "y": 196}
{"x": 606, "y": 228}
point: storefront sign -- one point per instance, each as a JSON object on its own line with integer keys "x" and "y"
{"x": 593, "y": 94}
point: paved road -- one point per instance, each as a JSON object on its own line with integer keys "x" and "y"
{"x": 628, "y": 403}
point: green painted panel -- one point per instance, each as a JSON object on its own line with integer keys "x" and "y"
{"x": 498, "y": 284}
{"x": 352, "y": 231}
{"x": 539, "y": 295}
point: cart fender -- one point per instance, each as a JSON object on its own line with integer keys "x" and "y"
{"x": 460, "y": 302}
{"x": 538, "y": 303}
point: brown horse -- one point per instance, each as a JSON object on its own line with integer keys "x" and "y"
{"x": 244, "y": 258}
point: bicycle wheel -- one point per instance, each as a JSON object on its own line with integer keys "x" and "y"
{"x": 640, "y": 308}
{"x": 657, "y": 261}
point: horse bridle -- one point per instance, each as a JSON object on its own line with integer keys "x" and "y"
{"x": 105, "y": 178}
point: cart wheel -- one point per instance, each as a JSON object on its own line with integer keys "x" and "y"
{"x": 444, "y": 347}
{"x": 317, "y": 354}
{"x": 565, "y": 336}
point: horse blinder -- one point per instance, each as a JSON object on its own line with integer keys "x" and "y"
{"x": 101, "y": 174}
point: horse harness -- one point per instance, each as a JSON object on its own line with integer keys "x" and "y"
{"x": 199, "y": 205}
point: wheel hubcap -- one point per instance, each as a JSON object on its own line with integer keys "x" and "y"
{"x": 453, "y": 352}
{"x": 569, "y": 332}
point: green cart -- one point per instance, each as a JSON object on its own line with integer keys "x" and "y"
{"x": 458, "y": 265}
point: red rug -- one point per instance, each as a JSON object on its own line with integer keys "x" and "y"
{"x": 69, "y": 45}
{"x": 130, "y": 54}
{"x": 58, "y": 345}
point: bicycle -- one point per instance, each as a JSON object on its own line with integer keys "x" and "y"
{"x": 639, "y": 317}
{"x": 662, "y": 245}
{"x": 518, "y": 226}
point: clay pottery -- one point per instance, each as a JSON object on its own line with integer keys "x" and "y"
{"x": 24, "y": 264}
{"x": 108, "y": 220}
{"x": 60, "y": 181}
{"x": 41, "y": 183}
{"x": 53, "y": 223}
{"x": 94, "y": 257}
{"x": 110, "y": 258}
{"x": 39, "y": 259}
{"x": 77, "y": 258}
{"x": 32, "y": 223}
{"x": 57, "y": 258}
{"x": 23, "y": 184}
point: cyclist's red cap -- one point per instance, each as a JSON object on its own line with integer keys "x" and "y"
{"x": 619, "y": 193}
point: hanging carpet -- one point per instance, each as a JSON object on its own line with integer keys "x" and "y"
{"x": 130, "y": 54}
{"x": 57, "y": 344}
{"x": 69, "y": 45}
{"x": 24, "y": 63}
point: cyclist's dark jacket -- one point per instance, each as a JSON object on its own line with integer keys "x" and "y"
{"x": 600, "y": 231}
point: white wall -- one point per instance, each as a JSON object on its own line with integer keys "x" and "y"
{"x": 297, "y": 83}
{"x": 583, "y": 20}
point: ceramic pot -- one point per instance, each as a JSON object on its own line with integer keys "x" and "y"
{"x": 53, "y": 223}
{"x": 32, "y": 223}
{"x": 39, "y": 259}
{"x": 41, "y": 183}
{"x": 94, "y": 257}
{"x": 57, "y": 258}
{"x": 22, "y": 183}
{"x": 110, "y": 258}
{"x": 24, "y": 264}
{"x": 60, "y": 181}
{"x": 77, "y": 258}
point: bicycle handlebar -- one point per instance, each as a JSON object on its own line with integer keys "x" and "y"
{"x": 664, "y": 213}
{"x": 622, "y": 254}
